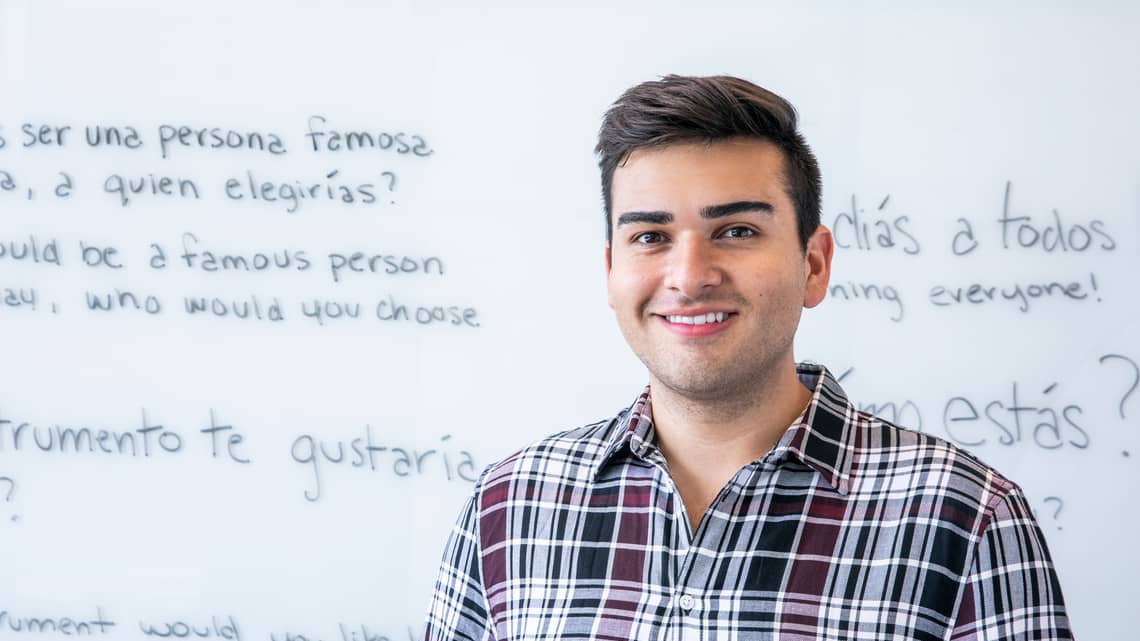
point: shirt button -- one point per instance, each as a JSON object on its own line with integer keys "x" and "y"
{"x": 687, "y": 602}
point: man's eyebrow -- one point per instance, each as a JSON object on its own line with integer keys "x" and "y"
{"x": 652, "y": 217}
{"x": 728, "y": 209}
{"x": 711, "y": 211}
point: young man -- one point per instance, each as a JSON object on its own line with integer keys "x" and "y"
{"x": 741, "y": 496}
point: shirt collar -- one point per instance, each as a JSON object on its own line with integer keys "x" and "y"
{"x": 822, "y": 437}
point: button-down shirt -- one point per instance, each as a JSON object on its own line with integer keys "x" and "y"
{"x": 849, "y": 528}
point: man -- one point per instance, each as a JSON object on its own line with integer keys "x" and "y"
{"x": 741, "y": 496}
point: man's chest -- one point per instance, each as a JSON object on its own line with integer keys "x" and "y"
{"x": 775, "y": 556}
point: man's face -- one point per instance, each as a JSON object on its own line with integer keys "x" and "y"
{"x": 706, "y": 273}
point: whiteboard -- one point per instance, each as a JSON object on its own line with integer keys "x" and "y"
{"x": 302, "y": 271}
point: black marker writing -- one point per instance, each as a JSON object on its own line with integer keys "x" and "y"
{"x": 1023, "y": 231}
{"x": 172, "y": 136}
{"x": 870, "y": 292}
{"x": 363, "y": 451}
{"x": 44, "y": 135}
{"x": 233, "y": 440}
{"x": 182, "y": 629}
{"x": 62, "y": 625}
{"x": 144, "y": 440}
{"x": 122, "y": 299}
{"x": 250, "y": 308}
{"x": 1009, "y": 419}
{"x": 33, "y": 249}
{"x": 126, "y": 188}
{"x": 323, "y": 139}
{"x": 854, "y": 230}
{"x": 1022, "y": 294}
{"x": 111, "y": 136}
{"x": 360, "y": 263}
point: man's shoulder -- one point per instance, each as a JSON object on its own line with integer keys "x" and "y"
{"x": 886, "y": 455}
{"x": 569, "y": 456}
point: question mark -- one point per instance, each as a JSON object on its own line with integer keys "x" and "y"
{"x": 391, "y": 181}
{"x": 11, "y": 490}
{"x": 1135, "y": 381}
{"x": 1057, "y": 512}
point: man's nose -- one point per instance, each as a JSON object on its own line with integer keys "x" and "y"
{"x": 693, "y": 267}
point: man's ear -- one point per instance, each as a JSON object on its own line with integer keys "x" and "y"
{"x": 817, "y": 265}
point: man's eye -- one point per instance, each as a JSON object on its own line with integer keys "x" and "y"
{"x": 739, "y": 232}
{"x": 648, "y": 238}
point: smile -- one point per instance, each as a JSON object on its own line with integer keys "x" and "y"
{"x": 712, "y": 317}
{"x": 697, "y": 325}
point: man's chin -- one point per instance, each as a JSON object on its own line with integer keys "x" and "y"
{"x": 697, "y": 386}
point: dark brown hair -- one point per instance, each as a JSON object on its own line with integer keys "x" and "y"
{"x": 685, "y": 109}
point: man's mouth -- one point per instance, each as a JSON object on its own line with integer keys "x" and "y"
{"x": 694, "y": 325}
{"x": 700, "y": 319}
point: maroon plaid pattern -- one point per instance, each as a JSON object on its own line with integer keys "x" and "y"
{"x": 850, "y": 528}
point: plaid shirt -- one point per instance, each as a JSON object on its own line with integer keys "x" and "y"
{"x": 849, "y": 528}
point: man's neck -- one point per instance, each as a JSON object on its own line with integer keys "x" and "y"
{"x": 706, "y": 441}
{"x": 726, "y": 432}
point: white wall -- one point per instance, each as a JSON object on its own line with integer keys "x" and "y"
{"x": 939, "y": 107}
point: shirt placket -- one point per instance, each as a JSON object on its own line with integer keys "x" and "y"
{"x": 689, "y": 603}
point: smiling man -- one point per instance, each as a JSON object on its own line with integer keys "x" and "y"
{"x": 741, "y": 495}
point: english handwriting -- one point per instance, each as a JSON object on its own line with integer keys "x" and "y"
{"x": 212, "y": 261}
{"x": 387, "y": 309}
{"x": 1024, "y": 295}
{"x": 33, "y": 249}
{"x": 319, "y": 310}
{"x": 250, "y": 308}
{"x": 360, "y": 263}
{"x": 122, "y": 299}
{"x": 182, "y": 629}
{"x": 18, "y": 297}
{"x": 869, "y": 292}
{"x": 99, "y": 255}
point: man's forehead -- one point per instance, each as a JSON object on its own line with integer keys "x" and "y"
{"x": 699, "y": 174}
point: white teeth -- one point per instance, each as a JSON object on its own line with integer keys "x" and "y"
{"x": 711, "y": 317}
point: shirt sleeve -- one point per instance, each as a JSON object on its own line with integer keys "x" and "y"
{"x": 459, "y": 606}
{"x": 1012, "y": 591}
